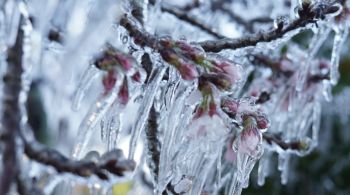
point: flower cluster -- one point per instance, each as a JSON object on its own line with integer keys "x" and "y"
{"x": 192, "y": 62}
{"x": 117, "y": 65}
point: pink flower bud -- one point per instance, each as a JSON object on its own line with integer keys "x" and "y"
{"x": 170, "y": 56}
{"x": 188, "y": 71}
{"x": 109, "y": 80}
{"x": 123, "y": 94}
{"x": 124, "y": 61}
{"x": 199, "y": 112}
{"x": 249, "y": 139}
{"x": 212, "y": 108}
{"x": 136, "y": 77}
{"x": 232, "y": 72}
{"x": 230, "y": 106}
{"x": 262, "y": 122}
{"x": 192, "y": 52}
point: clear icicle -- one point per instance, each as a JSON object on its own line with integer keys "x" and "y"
{"x": 339, "y": 38}
{"x": 113, "y": 127}
{"x": 316, "y": 122}
{"x": 245, "y": 164}
{"x": 315, "y": 44}
{"x": 84, "y": 84}
{"x": 96, "y": 112}
{"x": 145, "y": 107}
{"x": 170, "y": 126}
{"x": 263, "y": 169}
{"x": 327, "y": 90}
{"x": 283, "y": 166}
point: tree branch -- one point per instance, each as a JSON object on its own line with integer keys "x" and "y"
{"x": 11, "y": 116}
{"x": 153, "y": 143}
{"x": 307, "y": 14}
{"x": 295, "y": 145}
{"x": 113, "y": 164}
{"x": 185, "y": 17}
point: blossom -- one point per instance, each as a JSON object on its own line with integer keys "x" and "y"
{"x": 109, "y": 80}
{"x": 123, "y": 94}
{"x": 188, "y": 71}
{"x": 250, "y": 139}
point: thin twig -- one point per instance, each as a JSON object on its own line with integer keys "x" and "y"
{"x": 252, "y": 40}
{"x": 294, "y": 145}
{"x": 185, "y": 17}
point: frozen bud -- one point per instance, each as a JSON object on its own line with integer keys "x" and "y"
{"x": 200, "y": 111}
{"x": 109, "y": 80}
{"x": 304, "y": 146}
{"x": 166, "y": 42}
{"x": 170, "y": 56}
{"x": 229, "y": 106}
{"x": 280, "y": 22}
{"x": 249, "y": 140}
{"x": 221, "y": 81}
{"x": 262, "y": 121}
{"x": 123, "y": 94}
{"x": 187, "y": 71}
{"x": 212, "y": 108}
{"x": 105, "y": 62}
{"x": 232, "y": 72}
{"x": 136, "y": 77}
{"x": 192, "y": 52}
{"x": 124, "y": 61}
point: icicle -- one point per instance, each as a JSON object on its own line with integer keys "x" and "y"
{"x": 315, "y": 44}
{"x": 283, "y": 166}
{"x": 327, "y": 90}
{"x": 245, "y": 164}
{"x": 145, "y": 107}
{"x": 218, "y": 170}
{"x": 170, "y": 126}
{"x": 113, "y": 131}
{"x": 89, "y": 75}
{"x": 263, "y": 169}
{"x": 339, "y": 38}
{"x": 316, "y": 122}
{"x": 96, "y": 112}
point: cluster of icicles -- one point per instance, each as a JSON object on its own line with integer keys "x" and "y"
{"x": 214, "y": 147}
{"x": 213, "y": 125}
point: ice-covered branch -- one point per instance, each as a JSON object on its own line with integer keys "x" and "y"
{"x": 153, "y": 144}
{"x": 307, "y": 14}
{"x": 112, "y": 162}
{"x": 293, "y": 145}
{"x": 11, "y": 117}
